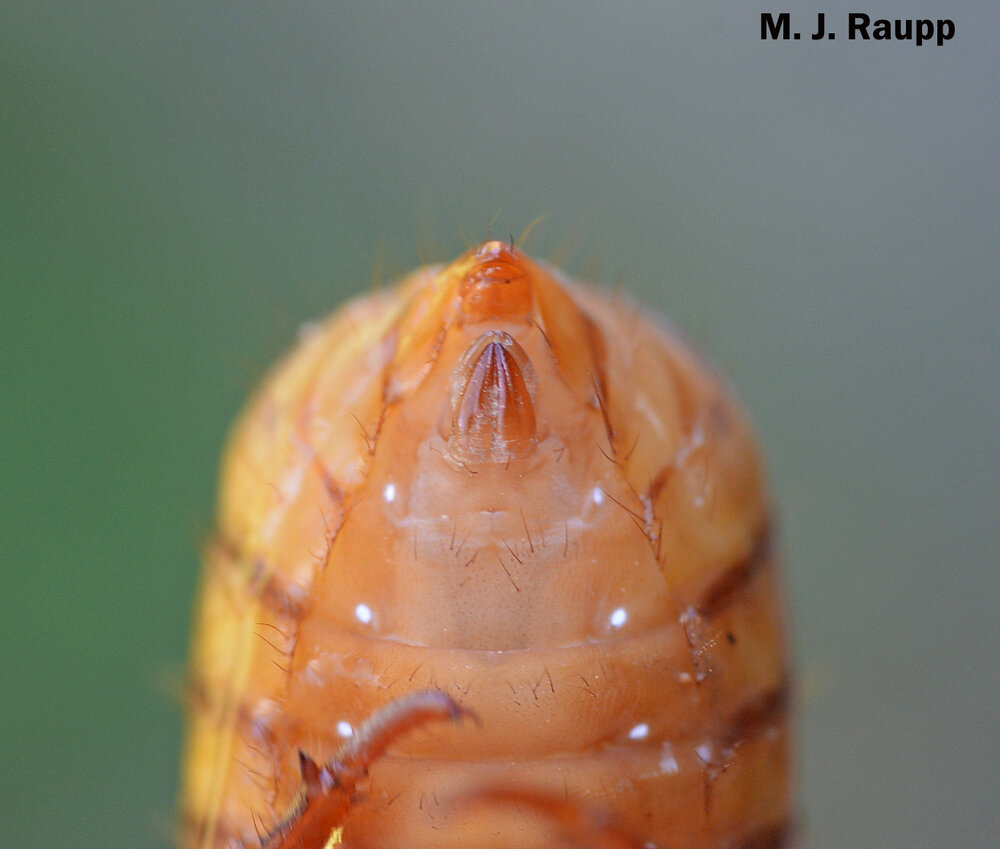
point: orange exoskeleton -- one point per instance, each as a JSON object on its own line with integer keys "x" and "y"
{"x": 519, "y": 493}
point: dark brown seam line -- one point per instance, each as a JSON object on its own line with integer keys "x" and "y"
{"x": 724, "y": 589}
{"x": 223, "y": 545}
{"x": 269, "y": 589}
{"x": 775, "y": 836}
{"x": 753, "y": 718}
{"x": 274, "y": 595}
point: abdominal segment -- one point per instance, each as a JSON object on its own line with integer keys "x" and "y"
{"x": 526, "y": 495}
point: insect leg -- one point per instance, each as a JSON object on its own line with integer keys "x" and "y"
{"x": 329, "y": 789}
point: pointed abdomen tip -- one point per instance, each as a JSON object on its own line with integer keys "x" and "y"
{"x": 497, "y": 285}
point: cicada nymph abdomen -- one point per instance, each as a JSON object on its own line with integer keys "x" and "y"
{"x": 524, "y": 493}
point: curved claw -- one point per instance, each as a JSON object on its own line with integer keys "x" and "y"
{"x": 328, "y": 790}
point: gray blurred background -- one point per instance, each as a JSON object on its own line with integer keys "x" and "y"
{"x": 182, "y": 183}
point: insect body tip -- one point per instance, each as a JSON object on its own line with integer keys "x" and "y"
{"x": 496, "y": 284}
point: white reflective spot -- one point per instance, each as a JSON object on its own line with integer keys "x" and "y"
{"x": 619, "y": 616}
{"x": 344, "y": 729}
{"x": 364, "y": 613}
{"x": 598, "y": 495}
{"x": 704, "y": 752}
{"x": 640, "y": 732}
{"x": 314, "y": 674}
{"x": 390, "y": 492}
{"x": 668, "y": 763}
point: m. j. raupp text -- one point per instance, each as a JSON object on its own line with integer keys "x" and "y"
{"x": 777, "y": 26}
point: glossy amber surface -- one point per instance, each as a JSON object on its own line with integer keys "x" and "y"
{"x": 527, "y": 494}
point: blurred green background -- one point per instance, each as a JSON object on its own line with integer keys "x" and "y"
{"x": 182, "y": 183}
